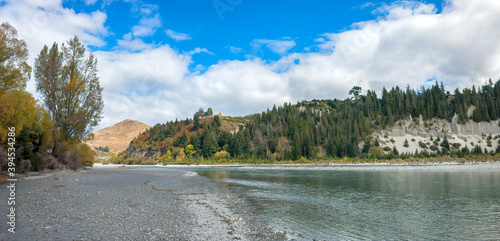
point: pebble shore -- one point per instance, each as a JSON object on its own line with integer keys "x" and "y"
{"x": 127, "y": 204}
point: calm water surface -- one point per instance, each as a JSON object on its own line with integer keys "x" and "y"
{"x": 412, "y": 204}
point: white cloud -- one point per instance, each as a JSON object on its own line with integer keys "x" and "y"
{"x": 277, "y": 46}
{"x": 150, "y": 19}
{"x": 198, "y": 50}
{"x": 366, "y": 5}
{"x": 142, "y": 85}
{"x": 147, "y": 26}
{"x": 42, "y": 23}
{"x": 90, "y": 2}
{"x": 177, "y": 36}
{"x": 235, "y": 50}
{"x": 408, "y": 44}
{"x": 239, "y": 87}
{"x": 132, "y": 44}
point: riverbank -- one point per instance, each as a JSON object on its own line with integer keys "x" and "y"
{"x": 451, "y": 165}
{"x": 128, "y": 204}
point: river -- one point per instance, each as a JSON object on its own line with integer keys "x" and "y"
{"x": 371, "y": 204}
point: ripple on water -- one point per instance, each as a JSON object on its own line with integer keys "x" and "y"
{"x": 315, "y": 204}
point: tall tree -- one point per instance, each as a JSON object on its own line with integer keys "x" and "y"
{"x": 16, "y": 105}
{"x": 14, "y": 69}
{"x": 71, "y": 92}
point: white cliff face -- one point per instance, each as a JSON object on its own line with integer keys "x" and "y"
{"x": 417, "y": 130}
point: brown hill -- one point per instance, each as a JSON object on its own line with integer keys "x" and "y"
{"x": 117, "y": 137}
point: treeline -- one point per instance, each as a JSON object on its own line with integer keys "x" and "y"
{"x": 316, "y": 129}
{"x": 49, "y": 133}
{"x": 103, "y": 149}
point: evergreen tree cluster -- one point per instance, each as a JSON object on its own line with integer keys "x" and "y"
{"x": 320, "y": 128}
{"x": 103, "y": 149}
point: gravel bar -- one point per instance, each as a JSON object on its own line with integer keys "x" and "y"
{"x": 129, "y": 204}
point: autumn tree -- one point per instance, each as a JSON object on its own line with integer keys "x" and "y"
{"x": 189, "y": 149}
{"x": 14, "y": 69}
{"x": 18, "y": 108}
{"x": 67, "y": 80}
{"x": 16, "y": 105}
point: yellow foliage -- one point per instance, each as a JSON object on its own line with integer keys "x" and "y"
{"x": 165, "y": 157}
{"x": 189, "y": 149}
{"x": 181, "y": 155}
{"x": 221, "y": 155}
{"x": 303, "y": 159}
{"x": 86, "y": 153}
{"x": 17, "y": 109}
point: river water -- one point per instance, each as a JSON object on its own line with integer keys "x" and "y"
{"x": 371, "y": 204}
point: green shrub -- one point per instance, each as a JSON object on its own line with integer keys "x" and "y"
{"x": 422, "y": 145}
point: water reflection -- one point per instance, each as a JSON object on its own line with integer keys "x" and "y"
{"x": 317, "y": 204}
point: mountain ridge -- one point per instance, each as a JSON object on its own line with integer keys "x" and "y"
{"x": 118, "y": 136}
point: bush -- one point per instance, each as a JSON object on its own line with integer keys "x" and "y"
{"x": 303, "y": 159}
{"x": 86, "y": 154}
{"x": 376, "y": 152}
{"x": 221, "y": 155}
{"x": 422, "y": 145}
{"x": 433, "y": 148}
{"x": 3, "y": 157}
{"x": 24, "y": 166}
{"x": 51, "y": 162}
{"x": 386, "y": 148}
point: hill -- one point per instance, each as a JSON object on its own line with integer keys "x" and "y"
{"x": 118, "y": 136}
{"x": 402, "y": 123}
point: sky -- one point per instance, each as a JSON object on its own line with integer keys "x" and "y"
{"x": 163, "y": 60}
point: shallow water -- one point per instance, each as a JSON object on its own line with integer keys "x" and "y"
{"x": 361, "y": 204}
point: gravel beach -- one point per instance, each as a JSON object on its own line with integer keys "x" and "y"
{"x": 129, "y": 204}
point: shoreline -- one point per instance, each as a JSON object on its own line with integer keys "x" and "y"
{"x": 130, "y": 204}
{"x": 331, "y": 166}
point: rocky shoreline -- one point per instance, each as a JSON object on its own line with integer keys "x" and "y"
{"x": 130, "y": 204}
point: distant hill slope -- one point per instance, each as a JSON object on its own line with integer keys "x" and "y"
{"x": 401, "y": 123}
{"x": 117, "y": 137}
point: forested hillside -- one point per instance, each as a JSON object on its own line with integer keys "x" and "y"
{"x": 320, "y": 129}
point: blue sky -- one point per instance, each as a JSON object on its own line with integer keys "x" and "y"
{"x": 227, "y": 29}
{"x": 162, "y": 60}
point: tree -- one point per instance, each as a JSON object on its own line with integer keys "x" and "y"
{"x": 395, "y": 151}
{"x": 210, "y": 145}
{"x": 355, "y": 91}
{"x": 189, "y": 149}
{"x": 209, "y": 112}
{"x": 181, "y": 155}
{"x": 70, "y": 89}
{"x": 221, "y": 155}
{"x": 14, "y": 69}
